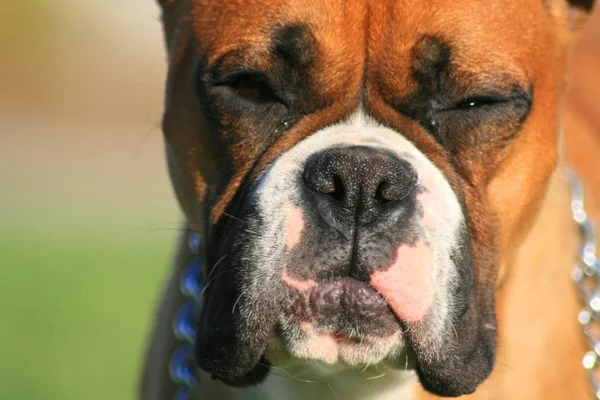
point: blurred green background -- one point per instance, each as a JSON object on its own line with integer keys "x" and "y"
{"x": 87, "y": 216}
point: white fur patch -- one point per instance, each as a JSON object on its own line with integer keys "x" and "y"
{"x": 313, "y": 381}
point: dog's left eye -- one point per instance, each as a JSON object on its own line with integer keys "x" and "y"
{"x": 488, "y": 117}
{"x": 478, "y": 101}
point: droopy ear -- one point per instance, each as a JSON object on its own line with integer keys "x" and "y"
{"x": 574, "y": 12}
{"x": 166, "y": 3}
{"x": 176, "y": 25}
{"x": 578, "y": 13}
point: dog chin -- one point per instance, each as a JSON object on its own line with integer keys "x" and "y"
{"x": 334, "y": 349}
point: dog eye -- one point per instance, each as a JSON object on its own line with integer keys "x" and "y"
{"x": 252, "y": 87}
{"x": 478, "y": 101}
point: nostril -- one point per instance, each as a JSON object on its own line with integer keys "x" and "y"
{"x": 338, "y": 189}
{"x": 382, "y": 193}
{"x": 323, "y": 181}
{"x": 318, "y": 181}
{"x": 394, "y": 189}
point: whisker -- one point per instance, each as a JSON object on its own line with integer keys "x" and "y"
{"x": 224, "y": 213}
{"x": 454, "y": 329}
{"x": 152, "y": 129}
{"x": 169, "y": 230}
{"x": 370, "y": 378}
{"x": 211, "y": 281}
{"x": 505, "y": 365}
{"x": 287, "y": 374}
{"x": 163, "y": 223}
{"x": 215, "y": 266}
{"x": 309, "y": 368}
{"x": 233, "y": 217}
{"x": 215, "y": 277}
{"x": 235, "y": 304}
{"x": 332, "y": 391}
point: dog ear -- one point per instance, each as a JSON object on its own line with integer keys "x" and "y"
{"x": 166, "y": 3}
{"x": 571, "y": 13}
{"x": 577, "y": 13}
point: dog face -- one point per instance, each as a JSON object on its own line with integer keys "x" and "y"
{"x": 361, "y": 172}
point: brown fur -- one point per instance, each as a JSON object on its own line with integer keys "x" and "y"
{"x": 515, "y": 204}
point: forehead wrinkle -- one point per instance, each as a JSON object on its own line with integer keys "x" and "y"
{"x": 483, "y": 36}
{"x": 294, "y": 44}
{"x": 248, "y": 54}
{"x": 291, "y": 43}
{"x": 336, "y": 26}
{"x": 243, "y": 26}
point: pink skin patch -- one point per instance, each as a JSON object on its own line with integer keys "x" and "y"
{"x": 407, "y": 284}
{"x": 294, "y": 225}
{"x": 320, "y": 345}
{"x": 325, "y": 346}
{"x": 297, "y": 284}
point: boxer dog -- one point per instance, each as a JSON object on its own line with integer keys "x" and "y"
{"x": 377, "y": 185}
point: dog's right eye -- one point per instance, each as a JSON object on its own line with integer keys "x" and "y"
{"x": 253, "y": 89}
{"x": 245, "y": 97}
{"x": 249, "y": 86}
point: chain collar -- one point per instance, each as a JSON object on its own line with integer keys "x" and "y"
{"x": 586, "y": 276}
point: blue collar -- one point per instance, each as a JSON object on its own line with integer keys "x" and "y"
{"x": 181, "y": 367}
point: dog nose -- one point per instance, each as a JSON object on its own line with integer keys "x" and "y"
{"x": 358, "y": 183}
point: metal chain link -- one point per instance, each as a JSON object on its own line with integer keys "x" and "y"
{"x": 586, "y": 276}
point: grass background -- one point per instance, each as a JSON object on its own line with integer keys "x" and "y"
{"x": 81, "y": 269}
{"x": 75, "y": 313}
{"x": 87, "y": 217}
